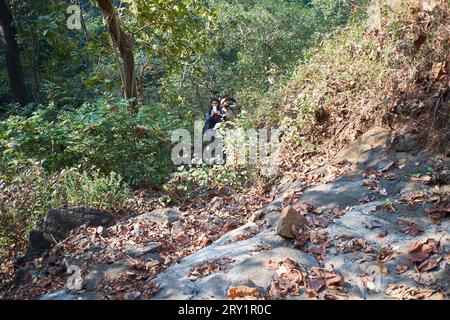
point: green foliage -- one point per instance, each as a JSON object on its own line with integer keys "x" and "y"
{"x": 254, "y": 44}
{"x": 54, "y": 58}
{"x": 199, "y": 179}
{"x": 171, "y": 30}
{"x": 92, "y": 189}
{"x": 31, "y": 193}
{"x": 101, "y": 135}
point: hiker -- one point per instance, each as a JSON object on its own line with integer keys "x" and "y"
{"x": 229, "y": 106}
{"x": 214, "y": 115}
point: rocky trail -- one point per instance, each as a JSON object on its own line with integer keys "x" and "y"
{"x": 374, "y": 226}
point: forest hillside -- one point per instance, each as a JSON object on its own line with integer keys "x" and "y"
{"x": 97, "y": 203}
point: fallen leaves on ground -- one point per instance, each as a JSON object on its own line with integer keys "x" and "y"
{"x": 244, "y": 293}
{"x": 291, "y": 197}
{"x": 261, "y": 247}
{"x": 401, "y": 268}
{"x": 348, "y": 244}
{"x": 210, "y": 266}
{"x": 420, "y": 251}
{"x": 413, "y": 198}
{"x": 401, "y": 291}
{"x": 320, "y": 278}
{"x": 425, "y": 279}
{"x": 437, "y": 215}
{"x": 385, "y": 254}
{"x": 247, "y": 234}
{"x": 289, "y": 278}
{"x": 425, "y": 179}
{"x": 408, "y": 227}
{"x": 382, "y": 234}
{"x": 428, "y": 265}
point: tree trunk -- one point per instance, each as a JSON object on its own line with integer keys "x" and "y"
{"x": 8, "y": 33}
{"x": 123, "y": 42}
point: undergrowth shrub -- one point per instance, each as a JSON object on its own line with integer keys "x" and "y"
{"x": 189, "y": 179}
{"x": 31, "y": 193}
{"x": 394, "y": 75}
{"x": 109, "y": 137}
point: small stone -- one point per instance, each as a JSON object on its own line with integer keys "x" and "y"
{"x": 103, "y": 273}
{"x": 137, "y": 252}
{"x": 160, "y": 216}
{"x": 100, "y": 231}
{"x": 289, "y": 219}
{"x": 151, "y": 259}
{"x": 177, "y": 228}
{"x": 133, "y": 295}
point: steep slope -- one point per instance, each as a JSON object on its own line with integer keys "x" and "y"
{"x": 376, "y": 201}
{"x": 375, "y": 232}
{"x": 392, "y": 72}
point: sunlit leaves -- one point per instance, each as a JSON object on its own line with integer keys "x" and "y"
{"x": 170, "y": 30}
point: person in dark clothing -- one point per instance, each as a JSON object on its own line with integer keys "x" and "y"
{"x": 214, "y": 115}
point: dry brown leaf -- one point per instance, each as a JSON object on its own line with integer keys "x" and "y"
{"x": 408, "y": 227}
{"x": 438, "y": 214}
{"x": 385, "y": 254}
{"x": 244, "y": 293}
{"x": 315, "y": 285}
{"x": 400, "y": 291}
{"x": 382, "y": 234}
{"x": 425, "y": 179}
{"x": 428, "y": 265}
{"x": 335, "y": 282}
{"x": 401, "y": 268}
{"x": 419, "y": 252}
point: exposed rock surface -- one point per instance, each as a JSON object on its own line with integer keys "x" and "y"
{"x": 362, "y": 225}
{"x": 371, "y": 141}
{"x": 369, "y": 275}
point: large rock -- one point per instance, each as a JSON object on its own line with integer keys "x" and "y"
{"x": 57, "y": 226}
{"x": 60, "y": 221}
{"x": 289, "y": 221}
{"x": 364, "y": 147}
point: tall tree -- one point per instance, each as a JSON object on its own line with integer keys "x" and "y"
{"x": 8, "y": 33}
{"x": 123, "y": 42}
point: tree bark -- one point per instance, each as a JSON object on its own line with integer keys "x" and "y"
{"x": 123, "y": 42}
{"x": 8, "y": 33}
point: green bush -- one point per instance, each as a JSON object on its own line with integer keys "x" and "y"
{"x": 189, "y": 179}
{"x": 106, "y": 136}
{"x": 92, "y": 188}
